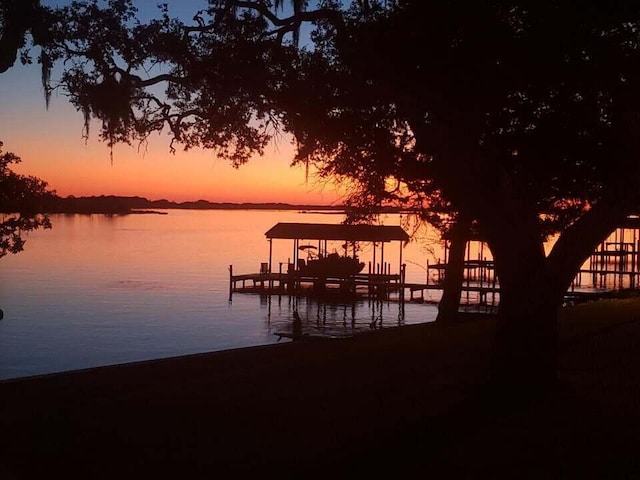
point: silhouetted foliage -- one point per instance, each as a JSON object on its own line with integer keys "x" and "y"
{"x": 21, "y": 200}
{"x": 17, "y": 17}
{"x": 521, "y": 116}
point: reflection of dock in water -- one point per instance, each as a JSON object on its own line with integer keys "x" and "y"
{"x": 312, "y": 319}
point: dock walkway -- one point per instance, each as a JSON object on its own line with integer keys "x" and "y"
{"x": 296, "y": 282}
{"x": 365, "y": 284}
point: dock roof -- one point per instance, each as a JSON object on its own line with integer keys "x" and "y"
{"x": 325, "y": 231}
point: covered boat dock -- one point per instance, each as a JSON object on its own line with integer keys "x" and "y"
{"x": 321, "y": 269}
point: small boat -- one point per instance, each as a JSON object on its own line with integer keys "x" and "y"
{"x": 333, "y": 265}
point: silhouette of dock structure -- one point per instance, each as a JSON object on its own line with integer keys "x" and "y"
{"x": 377, "y": 278}
{"x": 615, "y": 265}
{"x": 612, "y": 267}
{"x": 324, "y": 272}
{"x": 479, "y": 274}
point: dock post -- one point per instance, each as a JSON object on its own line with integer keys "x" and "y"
{"x": 427, "y": 282}
{"x": 403, "y": 269}
{"x": 493, "y": 294}
{"x": 230, "y": 282}
{"x": 632, "y": 277}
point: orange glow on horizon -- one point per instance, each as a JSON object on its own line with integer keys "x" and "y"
{"x": 51, "y": 146}
{"x": 181, "y": 177}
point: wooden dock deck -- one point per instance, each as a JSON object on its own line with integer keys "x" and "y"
{"x": 363, "y": 284}
{"x": 294, "y": 282}
{"x": 379, "y": 286}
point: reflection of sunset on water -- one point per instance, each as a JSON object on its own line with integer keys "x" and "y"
{"x": 99, "y": 289}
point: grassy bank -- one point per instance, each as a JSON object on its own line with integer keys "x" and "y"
{"x": 403, "y": 401}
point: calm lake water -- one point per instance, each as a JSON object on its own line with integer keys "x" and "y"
{"x": 100, "y": 290}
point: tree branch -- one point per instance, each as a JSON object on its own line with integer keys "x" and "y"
{"x": 580, "y": 240}
{"x": 332, "y": 16}
{"x": 150, "y": 81}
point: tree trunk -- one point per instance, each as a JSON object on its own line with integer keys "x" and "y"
{"x": 454, "y": 273}
{"x": 532, "y": 288}
{"x": 526, "y": 339}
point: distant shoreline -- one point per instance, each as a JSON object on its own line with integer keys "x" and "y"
{"x": 121, "y": 205}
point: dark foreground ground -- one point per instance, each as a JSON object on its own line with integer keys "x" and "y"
{"x": 404, "y": 401}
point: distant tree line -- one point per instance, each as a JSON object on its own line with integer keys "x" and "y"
{"x": 121, "y": 205}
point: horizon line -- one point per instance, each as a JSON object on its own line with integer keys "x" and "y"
{"x": 225, "y": 202}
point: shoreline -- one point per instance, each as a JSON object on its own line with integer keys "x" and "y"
{"x": 403, "y": 400}
{"x": 463, "y": 316}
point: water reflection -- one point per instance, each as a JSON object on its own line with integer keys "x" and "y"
{"x": 296, "y": 317}
{"x": 99, "y": 290}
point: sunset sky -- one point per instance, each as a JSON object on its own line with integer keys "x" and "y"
{"x": 51, "y": 146}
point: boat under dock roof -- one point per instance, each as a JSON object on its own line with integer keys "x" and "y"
{"x": 350, "y": 233}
